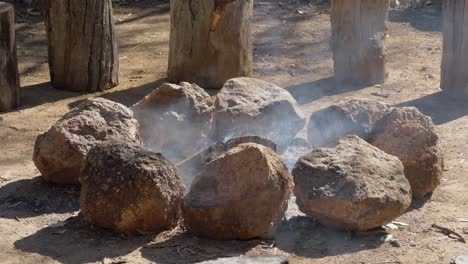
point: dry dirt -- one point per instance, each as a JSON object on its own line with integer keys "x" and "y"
{"x": 39, "y": 222}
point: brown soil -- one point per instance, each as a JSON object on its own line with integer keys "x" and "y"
{"x": 39, "y": 222}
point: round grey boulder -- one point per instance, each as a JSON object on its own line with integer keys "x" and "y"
{"x": 353, "y": 186}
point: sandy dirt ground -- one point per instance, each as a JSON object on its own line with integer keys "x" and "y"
{"x": 40, "y": 222}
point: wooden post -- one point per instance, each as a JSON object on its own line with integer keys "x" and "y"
{"x": 10, "y": 94}
{"x": 211, "y": 41}
{"x": 358, "y": 40}
{"x": 454, "y": 75}
{"x": 82, "y": 44}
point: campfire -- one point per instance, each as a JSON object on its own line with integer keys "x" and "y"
{"x": 359, "y": 168}
{"x": 230, "y": 164}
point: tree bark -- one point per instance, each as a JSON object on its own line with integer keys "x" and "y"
{"x": 358, "y": 40}
{"x": 454, "y": 75}
{"x": 10, "y": 94}
{"x": 211, "y": 41}
{"x": 82, "y": 44}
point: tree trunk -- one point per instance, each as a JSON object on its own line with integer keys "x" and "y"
{"x": 10, "y": 94}
{"x": 82, "y": 44}
{"x": 358, "y": 40}
{"x": 454, "y": 76}
{"x": 211, "y": 41}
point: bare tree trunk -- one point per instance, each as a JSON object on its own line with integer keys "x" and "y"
{"x": 358, "y": 40}
{"x": 10, "y": 94}
{"x": 454, "y": 77}
{"x": 211, "y": 41}
{"x": 82, "y": 44}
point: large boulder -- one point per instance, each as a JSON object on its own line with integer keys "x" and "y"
{"x": 193, "y": 165}
{"x": 59, "y": 153}
{"x": 130, "y": 190}
{"x": 354, "y": 186}
{"x": 242, "y": 194}
{"x": 175, "y": 120}
{"x": 350, "y": 116}
{"x": 410, "y": 135}
{"x": 251, "y": 107}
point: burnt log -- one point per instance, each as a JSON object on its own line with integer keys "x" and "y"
{"x": 10, "y": 94}
{"x": 82, "y": 45}
{"x": 454, "y": 75}
{"x": 358, "y": 41}
{"x": 211, "y": 41}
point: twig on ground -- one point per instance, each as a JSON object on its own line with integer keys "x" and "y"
{"x": 448, "y": 232}
{"x": 180, "y": 253}
{"x": 136, "y": 47}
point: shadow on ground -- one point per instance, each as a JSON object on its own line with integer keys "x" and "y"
{"x": 304, "y": 237}
{"x": 427, "y": 18}
{"x": 32, "y": 197}
{"x": 442, "y": 107}
{"x": 185, "y": 248}
{"x": 127, "y": 97}
{"x": 315, "y": 90}
{"x": 42, "y": 93}
{"x": 133, "y": 95}
{"x": 78, "y": 242}
{"x": 417, "y": 204}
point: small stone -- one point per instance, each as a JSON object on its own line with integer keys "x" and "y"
{"x": 249, "y": 260}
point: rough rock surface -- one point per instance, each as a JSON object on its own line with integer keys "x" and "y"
{"x": 350, "y": 116}
{"x": 354, "y": 186}
{"x": 251, "y": 107}
{"x": 175, "y": 120}
{"x": 130, "y": 190}
{"x": 191, "y": 166}
{"x": 410, "y": 135}
{"x": 242, "y": 194}
{"x": 59, "y": 153}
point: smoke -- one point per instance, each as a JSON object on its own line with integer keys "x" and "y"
{"x": 185, "y": 129}
{"x": 176, "y": 120}
{"x": 175, "y": 130}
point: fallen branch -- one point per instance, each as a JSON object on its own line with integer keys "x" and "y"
{"x": 448, "y": 232}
